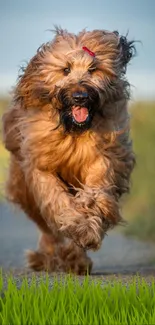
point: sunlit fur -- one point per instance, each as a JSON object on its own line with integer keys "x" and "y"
{"x": 70, "y": 182}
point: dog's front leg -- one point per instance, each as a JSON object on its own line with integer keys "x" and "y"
{"x": 59, "y": 206}
{"x": 98, "y": 201}
{"x": 52, "y": 197}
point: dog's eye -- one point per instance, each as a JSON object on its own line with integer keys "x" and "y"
{"x": 92, "y": 69}
{"x": 67, "y": 71}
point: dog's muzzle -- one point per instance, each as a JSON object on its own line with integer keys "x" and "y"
{"x": 78, "y": 107}
{"x": 80, "y": 110}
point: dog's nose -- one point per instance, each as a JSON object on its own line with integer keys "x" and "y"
{"x": 80, "y": 97}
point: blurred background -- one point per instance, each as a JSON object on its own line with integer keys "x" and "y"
{"x": 24, "y": 26}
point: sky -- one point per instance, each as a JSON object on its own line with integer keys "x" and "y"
{"x": 25, "y": 25}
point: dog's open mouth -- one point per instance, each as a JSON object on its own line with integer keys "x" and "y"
{"x": 80, "y": 114}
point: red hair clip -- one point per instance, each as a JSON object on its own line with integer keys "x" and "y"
{"x": 88, "y": 51}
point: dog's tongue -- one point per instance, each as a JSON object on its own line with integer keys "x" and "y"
{"x": 80, "y": 114}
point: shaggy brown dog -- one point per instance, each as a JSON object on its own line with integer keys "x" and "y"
{"x": 68, "y": 134}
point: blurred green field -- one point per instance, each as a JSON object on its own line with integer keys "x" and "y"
{"x": 3, "y": 153}
{"x": 139, "y": 205}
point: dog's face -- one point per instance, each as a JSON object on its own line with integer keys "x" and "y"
{"x": 77, "y": 76}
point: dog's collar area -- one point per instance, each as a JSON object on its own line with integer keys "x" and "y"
{"x": 88, "y": 51}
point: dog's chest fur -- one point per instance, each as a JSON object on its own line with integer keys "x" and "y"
{"x": 77, "y": 155}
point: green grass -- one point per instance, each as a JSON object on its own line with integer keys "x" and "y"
{"x": 69, "y": 302}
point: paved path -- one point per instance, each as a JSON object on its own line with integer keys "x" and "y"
{"x": 118, "y": 254}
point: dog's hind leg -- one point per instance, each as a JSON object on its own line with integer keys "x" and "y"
{"x": 44, "y": 259}
{"x": 59, "y": 257}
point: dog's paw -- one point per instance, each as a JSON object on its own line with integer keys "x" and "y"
{"x": 85, "y": 232}
{"x": 75, "y": 259}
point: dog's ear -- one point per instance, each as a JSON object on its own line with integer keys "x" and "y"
{"x": 126, "y": 49}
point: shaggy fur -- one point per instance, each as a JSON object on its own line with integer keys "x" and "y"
{"x": 68, "y": 177}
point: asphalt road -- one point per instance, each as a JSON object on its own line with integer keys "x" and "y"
{"x": 118, "y": 254}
